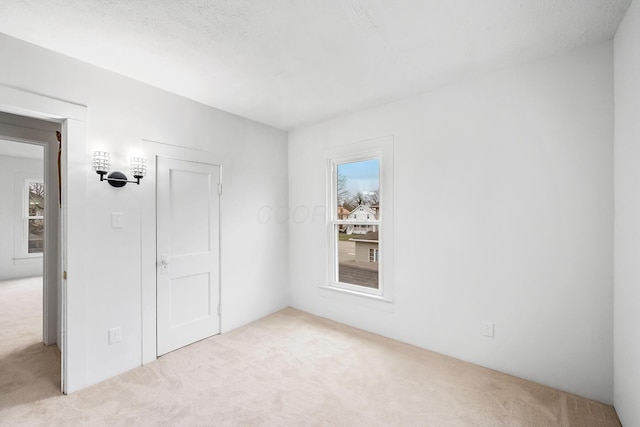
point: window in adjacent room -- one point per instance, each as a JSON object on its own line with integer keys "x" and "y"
{"x": 34, "y": 216}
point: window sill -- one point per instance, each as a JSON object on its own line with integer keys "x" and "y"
{"x": 31, "y": 259}
{"x": 373, "y": 301}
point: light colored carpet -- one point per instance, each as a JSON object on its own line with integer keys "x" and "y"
{"x": 292, "y": 368}
{"x": 29, "y": 370}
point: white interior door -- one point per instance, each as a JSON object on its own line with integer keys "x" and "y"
{"x": 188, "y": 261}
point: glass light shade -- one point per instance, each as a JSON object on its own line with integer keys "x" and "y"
{"x": 101, "y": 161}
{"x": 138, "y": 167}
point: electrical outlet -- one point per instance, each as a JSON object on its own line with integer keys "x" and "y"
{"x": 115, "y": 335}
{"x": 487, "y": 328}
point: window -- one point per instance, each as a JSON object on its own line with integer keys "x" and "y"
{"x": 373, "y": 255}
{"x": 360, "y": 223}
{"x": 34, "y": 216}
{"x": 357, "y": 194}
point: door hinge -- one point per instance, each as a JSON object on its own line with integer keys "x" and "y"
{"x": 64, "y": 275}
{"x": 220, "y": 189}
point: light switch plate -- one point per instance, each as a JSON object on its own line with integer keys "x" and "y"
{"x": 117, "y": 220}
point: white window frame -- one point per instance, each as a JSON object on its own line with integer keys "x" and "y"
{"x": 26, "y": 217}
{"x": 336, "y": 223}
{"x": 382, "y": 150}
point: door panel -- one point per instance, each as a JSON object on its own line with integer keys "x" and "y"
{"x": 189, "y": 212}
{"x": 188, "y": 208}
{"x": 190, "y": 299}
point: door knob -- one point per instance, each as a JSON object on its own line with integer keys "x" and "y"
{"x": 165, "y": 264}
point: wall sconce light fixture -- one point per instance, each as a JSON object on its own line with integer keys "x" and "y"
{"x": 102, "y": 164}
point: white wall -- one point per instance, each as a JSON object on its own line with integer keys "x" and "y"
{"x": 121, "y": 113}
{"x": 627, "y": 219}
{"x": 512, "y": 172}
{"x": 13, "y": 172}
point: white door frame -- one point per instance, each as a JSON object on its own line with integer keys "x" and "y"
{"x": 74, "y": 169}
{"x": 152, "y": 150}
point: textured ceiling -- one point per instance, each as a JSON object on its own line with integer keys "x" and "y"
{"x": 293, "y": 62}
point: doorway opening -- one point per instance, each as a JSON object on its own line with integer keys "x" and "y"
{"x": 30, "y": 314}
